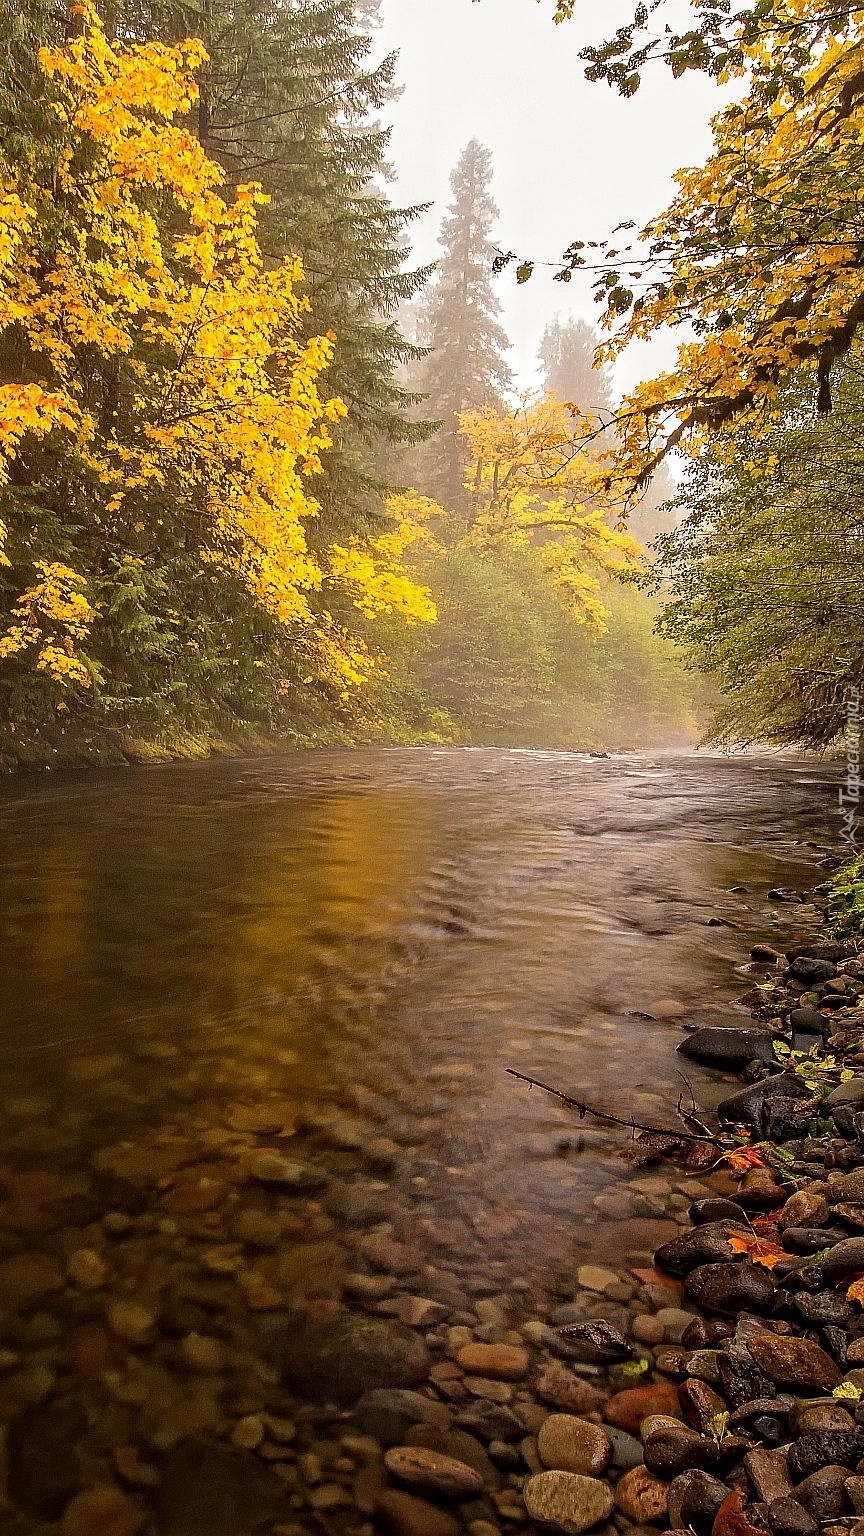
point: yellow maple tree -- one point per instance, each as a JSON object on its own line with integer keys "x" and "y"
{"x": 159, "y": 352}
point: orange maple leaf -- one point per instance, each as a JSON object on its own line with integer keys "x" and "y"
{"x": 761, "y": 1252}
{"x": 745, "y": 1157}
{"x": 856, "y": 1290}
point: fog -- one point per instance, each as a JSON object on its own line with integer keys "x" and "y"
{"x": 572, "y": 158}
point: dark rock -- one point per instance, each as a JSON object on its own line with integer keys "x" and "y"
{"x": 490, "y": 1421}
{"x": 740, "y": 1377}
{"x": 806, "y": 968}
{"x": 785, "y": 1118}
{"x": 768, "y": 1475}
{"x": 824, "y": 1309}
{"x": 840, "y": 1447}
{"x": 597, "y": 1340}
{"x": 708, "y": 1244}
{"x": 747, "y": 1106}
{"x": 43, "y": 1465}
{"x": 822, "y": 949}
{"x": 356, "y": 1205}
{"x": 783, "y": 1403}
{"x": 823, "y": 1493}
{"x": 402, "y": 1514}
{"x": 770, "y": 1430}
{"x": 387, "y": 1413}
{"x": 764, "y": 952}
{"x": 670, "y": 1447}
{"x": 793, "y": 1362}
{"x": 715, "y": 1209}
{"x": 836, "y": 1341}
{"x": 845, "y": 1258}
{"x": 731, "y": 1288}
{"x": 208, "y": 1487}
{"x": 339, "y": 1359}
{"x": 787, "y": 1517}
{"x": 728, "y": 1047}
{"x": 812, "y": 1239}
{"x": 704, "y": 1332}
{"x": 694, "y": 1499}
{"x": 783, "y": 893}
{"x": 699, "y": 1403}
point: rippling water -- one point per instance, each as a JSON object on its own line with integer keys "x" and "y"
{"x": 370, "y": 939}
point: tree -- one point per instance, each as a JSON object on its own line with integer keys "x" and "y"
{"x": 763, "y": 576}
{"x": 760, "y": 253}
{"x": 567, "y": 354}
{"x": 290, "y": 97}
{"x": 160, "y": 414}
{"x": 466, "y": 369}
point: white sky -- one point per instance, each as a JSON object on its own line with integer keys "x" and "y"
{"x": 571, "y": 158}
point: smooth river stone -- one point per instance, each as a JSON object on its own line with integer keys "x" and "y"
{"x": 503, "y": 1362}
{"x": 431, "y": 1472}
{"x": 642, "y": 1497}
{"x": 793, "y": 1362}
{"x": 568, "y": 1444}
{"x": 568, "y": 1500}
{"x": 730, "y": 1288}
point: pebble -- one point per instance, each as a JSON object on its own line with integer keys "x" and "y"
{"x": 641, "y": 1497}
{"x": 502, "y": 1362}
{"x": 403, "y": 1514}
{"x": 694, "y": 1499}
{"x": 87, "y": 1269}
{"x": 130, "y": 1321}
{"x": 788, "y": 1517}
{"x": 794, "y": 1362}
{"x": 627, "y": 1409}
{"x": 430, "y": 1472}
{"x": 248, "y": 1433}
{"x": 591, "y": 1277}
{"x": 203, "y": 1353}
{"x": 569, "y": 1444}
{"x": 388, "y": 1412}
{"x": 102, "y": 1512}
{"x": 568, "y": 1500}
{"x": 562, "y": 1388}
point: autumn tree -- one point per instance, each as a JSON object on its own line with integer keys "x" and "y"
{"x": 466, "y": 369}
{"x": 160, "y": 413}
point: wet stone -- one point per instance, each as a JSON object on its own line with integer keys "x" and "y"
{"x": 627, "y": 1409}
{"x": 823, "y": 1492}
{"x": 768, "y": 1475}
{"x": 669, "y": 1447}
{"x": 459, "y": 1445}
{"x": 207, "y": 1487}
{"x": 403, "y": 1514}
{"x": 43, "y": 1465}
{"x": 102, "y": 1512}
{"x": 387, "y": 1413}
{"x": 641, "y": 1497}
{"x": 731, "y": 1288}
{"x": 706, "y": 1244}
{"x": 836, "y": 1446}
{"x": 694, "y": 1499}
{"x": 626, "y": 1449}
{"x": 489, "y": 1421}
{"x": 341, "y": 1359}
{"x": 788, "y": 1517}
{"x": 504, "y": 1362}
{"x": 699, "y": 1403}
{"x": 569, "y": 1444}
{"x": 794, "y": 1362}
{"x": 567, "y": 1500}
{"x": 430, "y": 1472}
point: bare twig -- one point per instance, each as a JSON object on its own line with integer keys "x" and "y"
{"x": 583, "y": 1109}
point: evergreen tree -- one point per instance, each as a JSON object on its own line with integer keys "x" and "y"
{"x": 566, "y": 354}
{"x": 290, "y": 98}
{"x": 466, "y": 369}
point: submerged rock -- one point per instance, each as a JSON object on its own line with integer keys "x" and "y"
{"x": 340, "y": 1359}
{"x": 207, "y": 1487}
{"x": 566, "y": 1499}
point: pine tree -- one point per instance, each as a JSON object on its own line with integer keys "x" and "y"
{"x": 466, "y": 369}
{"x": 566, "y": 355}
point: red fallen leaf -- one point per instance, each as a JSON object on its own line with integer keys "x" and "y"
{"x": 856, "y": 1289}
{"x": 730, "y": 1519}
{"x": 766, "y": 1225}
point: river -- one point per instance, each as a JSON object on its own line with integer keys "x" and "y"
{"x": 359, "y": 944}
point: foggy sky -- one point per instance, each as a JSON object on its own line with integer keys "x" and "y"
{"x": 572, "y": 158}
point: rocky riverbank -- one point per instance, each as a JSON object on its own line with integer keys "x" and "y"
{"x": 186, "y": 1350}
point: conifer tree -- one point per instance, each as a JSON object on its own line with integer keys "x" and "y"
{"x": 466, "y": 369}
{"x": 566, "y": 355}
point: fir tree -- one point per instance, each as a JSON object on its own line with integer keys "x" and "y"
{"x": 290, "y": 98}
{"x": 466, "y": 368}
{"x": 566, "y": 356}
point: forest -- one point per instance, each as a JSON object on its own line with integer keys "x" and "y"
{"x": 264, "y": 479}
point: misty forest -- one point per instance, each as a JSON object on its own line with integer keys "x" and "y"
{"x": 431, "y": 659}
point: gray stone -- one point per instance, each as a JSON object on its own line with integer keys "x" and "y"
{"x": 747, "y": 1106}
{"x": 823, "y": 1493}
{"x": 568, "y": 1500}
{"x": 728, "y": 1046}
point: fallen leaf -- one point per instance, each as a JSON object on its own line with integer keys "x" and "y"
{"x": 758, "y": 1249}
{"x": 856, "y": 1290}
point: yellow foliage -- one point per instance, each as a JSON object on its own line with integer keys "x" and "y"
{"x": 534, "y": 483}
{"x": 137, "y": 254}
{"x": 47, "y": 619}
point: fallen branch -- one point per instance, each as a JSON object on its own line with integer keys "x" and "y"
{"x": 583, "y": 1109}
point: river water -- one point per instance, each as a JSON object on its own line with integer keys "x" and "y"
{"x": 344, "y": 951}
